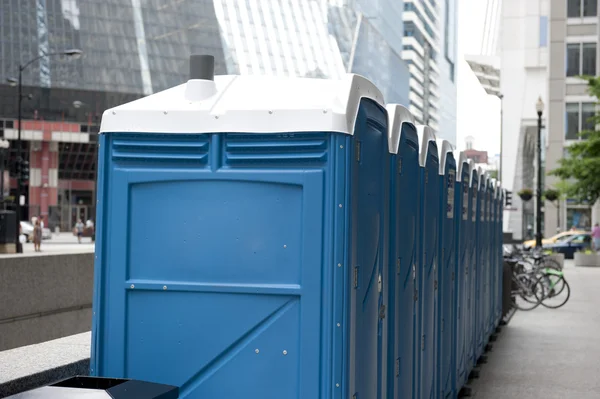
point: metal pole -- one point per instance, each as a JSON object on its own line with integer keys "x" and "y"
{"x": 2, "y": 174}
{"x": 501, "y": 128}
{"x": 558, "y": 215}
{"x": 538, "y": 238}
{"x": 19, "y": 160}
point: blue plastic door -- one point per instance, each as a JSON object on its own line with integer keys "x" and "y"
{"x": 403, "y": 265}
{"x": 427, "y": 296}
{"x": 368, "y": 248}
{"x": 446, "y": 276}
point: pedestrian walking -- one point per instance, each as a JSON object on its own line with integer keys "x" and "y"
{"x": 79, "y": 228}
{"x": 37, "y": 236}
{"x": 596, "y": 237}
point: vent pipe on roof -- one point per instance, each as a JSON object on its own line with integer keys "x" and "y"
{"x": 202, "y": 67}
{"x": 202, "y": 78}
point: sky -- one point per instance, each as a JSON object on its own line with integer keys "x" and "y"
{"x": 478, "y": 114}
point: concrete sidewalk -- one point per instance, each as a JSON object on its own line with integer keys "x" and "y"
{"x": 546, "y": 353}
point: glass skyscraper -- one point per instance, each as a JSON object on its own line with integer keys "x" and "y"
{"x": 142, "y": 46}
{"x": 431, "y": 54}
{"x": 133, "y": 48}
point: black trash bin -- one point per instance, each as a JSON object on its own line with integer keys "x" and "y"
{"x": 101, "y": 388}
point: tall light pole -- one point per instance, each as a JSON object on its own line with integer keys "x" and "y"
{"x": 71, "y": 53}
{"x": 539, "y": 107}
{"x": 501, "y": 97}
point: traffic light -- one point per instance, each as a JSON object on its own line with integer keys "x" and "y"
{"x": 508, "y": 199}
{"x": 22, "y": 171}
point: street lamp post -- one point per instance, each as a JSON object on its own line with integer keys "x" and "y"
{"x": 501, "y": 97}
{"x": 539, "y": 107}
{"x": 71, "y": 53}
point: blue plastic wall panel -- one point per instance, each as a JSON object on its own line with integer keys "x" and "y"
{"x": 218, "y": 255}
{"x": 369, "y": 227}
{"x": 486, "y": 265}
{"x": 500, "y": 254}
{"x": 446, "y": 276}
{"x": 480, "y": 271}
{"x": 472, "y": 286}
{"x": 461, "y": 227}
{"x": 404, "y": 230}
{"x": 427, "y": 295}
{"x": 491, "y": 260}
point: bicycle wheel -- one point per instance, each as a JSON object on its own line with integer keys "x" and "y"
{"x": 525, "y": 292}
{"x": 555, "y": 294}
{"x": 551, "y": 264}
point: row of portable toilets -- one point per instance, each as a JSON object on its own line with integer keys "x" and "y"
{"x": 268, "y": 237}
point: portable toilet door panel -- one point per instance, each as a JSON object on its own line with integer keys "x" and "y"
{"x": 472, "y": 299}
{"x": 499, "y": 252}
{"x": 492, "y": 259}
{"x": 481, "y": 264}
{"x": 446, "y": 272}
{"x": 223, "y": 242}
{"x": 461, "y": 231}
{"x": 404, "y": 230}
{"x": 485, "y": 262}
{"x": 370, "y": 180}
{"x": 428, "y": 237}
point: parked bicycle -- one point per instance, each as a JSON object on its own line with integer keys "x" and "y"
{"x": 537, "y": 280}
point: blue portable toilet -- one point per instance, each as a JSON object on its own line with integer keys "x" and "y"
{"x": 446, "y": 272}
{"x": 491, "y": 259}
{"x": 472, "y": 283}
{"x": 404, "y": 230}
{"x": 481, "y": 265}
{"x": 499, "y": 256}
{"x": 240, "y": 238}
{"x": 428, "y": 258}
{"x": 499, "y": 253}
{"x": 462, "y": 234}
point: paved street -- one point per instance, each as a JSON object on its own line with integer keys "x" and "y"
{"x": 550, "y": 354}
{"x": 59, "y": 244}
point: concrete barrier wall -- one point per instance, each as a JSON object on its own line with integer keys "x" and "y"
{"x": 44, "y": 297}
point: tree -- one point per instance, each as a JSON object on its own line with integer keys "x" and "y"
{"x": 580, "y": 169}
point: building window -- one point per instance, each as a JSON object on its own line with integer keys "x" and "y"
{"x": 588, "y": 59}
{"x": 582, "y": 8}
{"x": 581, "y": 59}
{"x": 449, "y": 34}
{"x": 578, "y": 118}
{"x": 543, "y": 31}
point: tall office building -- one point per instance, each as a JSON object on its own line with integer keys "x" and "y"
{"x": 429, "y": 48}
{"x": 134, "y": 48}
{"x": 544, "y": 45}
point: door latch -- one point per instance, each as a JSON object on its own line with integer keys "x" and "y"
{"x": 382, "y": 312}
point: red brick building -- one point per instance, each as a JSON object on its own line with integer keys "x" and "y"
{"x": 477, "y": 156}
{"x": 62, "y": 161}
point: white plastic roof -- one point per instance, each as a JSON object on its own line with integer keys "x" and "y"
{"x": 398, "y": 115}
{"x": 246, "y": 104}
{"x": 461, "y": 159}
{"x": 444, "y": 148}
{"x": 483, "y": 179}
{"x": 477, "y": 170}
{"x": 425, "y": 136}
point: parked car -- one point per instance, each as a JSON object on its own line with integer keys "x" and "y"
{"x": 27, "y": 230}
{"x": 570, "y": 245}
{"x": 551, "y": 240}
